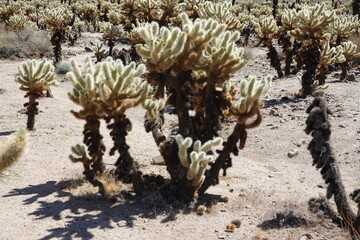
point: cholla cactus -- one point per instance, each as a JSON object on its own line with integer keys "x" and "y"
{"x": 221, "y": 12}
{"x": 122, "y": 87}
{"x": 249, "y": 104}
{"x": 290, "y": 48}
{"x": 343, "y": 27}
{"x": 18, "y": 22}
{"x": 191, "y": 7}
{"x": 267, "y": 30}
{"x": 313, "y": 23}
{"x": 99, "y": 52}
{"x": 86, "y": 89}
{"x": 111, "y": 34}
{"x": 197, "y": 161}
{"x": 248, "y": 107}
{"x": 350, "y": 51}
{"x": 168, "y": 8}
{"x": 147, "y": 9}
{"x": 56, "y": 21}
{"x": 329, "y": 56}
{"x": 154, "y": 106}
{"x": 221, "y": 58}
{"x": 12, "y": 149}
{"x": 35, "y": 78}
{"x": 161, "y": 47}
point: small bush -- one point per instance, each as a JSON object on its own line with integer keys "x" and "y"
{"x": 24, "y": 44}
{"x": 62, "y": 68}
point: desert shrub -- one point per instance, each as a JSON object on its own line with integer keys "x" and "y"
{"x": 62, "y": 67}
{"x": 24, "y": 44}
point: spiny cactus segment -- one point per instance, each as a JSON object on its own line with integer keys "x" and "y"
{"x": 12, "y": 149}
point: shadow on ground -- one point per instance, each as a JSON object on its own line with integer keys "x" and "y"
{"x": 81, "y": 214}
{"x": 284, "y": 220}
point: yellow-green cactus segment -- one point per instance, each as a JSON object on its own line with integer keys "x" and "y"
{"x": 344, "y": 26}
{"x": 222, "y": 58}
{"x": 221, "y": 12}
{"x": 199, "y": 34}
{"x": 251, "y": 90}
{"x": 86, "y": 89}
{"x": 313, "y": 21}
{"x": 199, "y": 158}
{"x": 12, "y": 149}
{"x": 36, "y": 76}
{"x": 154, "y": 106}
{"x": 183, "y": 145}
{"x": 110, "y": 32}
{"x": 289, "y": 19}
{"x": 161, "y": 47}
{"x": 331, "y": 55}
{"x": 266, "y": 28}
{"x": 122, "y": 87}
{"x": 80, "y": 154}
{"x": 350, "y": 50}
{"x": 56, "y": 18}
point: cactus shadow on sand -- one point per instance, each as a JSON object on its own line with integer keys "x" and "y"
{"x": 76, "y": 216}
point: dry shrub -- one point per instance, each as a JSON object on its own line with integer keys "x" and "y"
{"x": 79, "y": 187}
{"x": 261, "y": 235}
{"x": 25, "y": 43}
{"x": 248, "y": 53}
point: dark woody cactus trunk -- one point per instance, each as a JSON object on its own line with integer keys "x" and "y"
{"x": 56, "y": 40}
{"x": 274, "y": 58}
{"x": 96, "y": 148}
{"x": 224, "y": 160}
{"x": 275, "y": 7}
{"x": 31, "y": 111}
{"x": 127, "y": 169}
{"x": 311, "y": 58}
{"x": 356, "y": 7}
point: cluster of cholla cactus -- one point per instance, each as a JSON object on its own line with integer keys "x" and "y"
{"x": 35, "y": 78}
{"x": 193, "y": 65}
{"x": 318, "y": 125}
{"x": 12, "y": 149}
{"x": 106, "y": 91}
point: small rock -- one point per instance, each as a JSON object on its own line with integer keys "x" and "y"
{"x": 221, "y": 237}
{"x": 342, "y": 126}
{"x": 293, "y": 153}
{"x": 122, "y": 223}
{"x": 87, "y": 49}
{"x": 351, "y": 77}
{"x": 322, "y": 185}
{"x": 274, "y": 127}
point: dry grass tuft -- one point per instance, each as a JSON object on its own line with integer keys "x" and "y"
{"x": 261, "y": 235}
{"x": 26, "y": 43}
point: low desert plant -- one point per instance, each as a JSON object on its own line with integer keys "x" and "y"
{"x": 24, "y": 44}
{"x": 35, "y": 78}
{"x": 12, "y": 149}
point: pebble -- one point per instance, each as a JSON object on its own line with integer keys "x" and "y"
{"x": 221, "y": 237}
{"x": 322, "y": 185}
{"x": 122, "y": 223}
{"x": 342, "y": 126}
{"x": 293, "y": 153}
{"x": 274, "y": 127}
